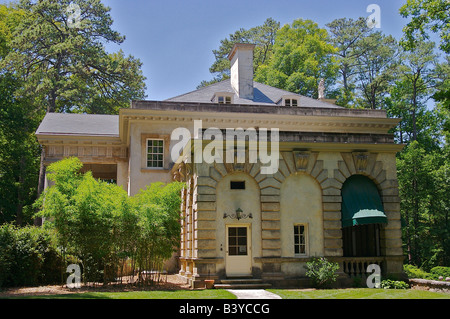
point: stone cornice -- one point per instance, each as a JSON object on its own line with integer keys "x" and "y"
{"x": 254, "y": 109}
{"x": 340, "y": 121}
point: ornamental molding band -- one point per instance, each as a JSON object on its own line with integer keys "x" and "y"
{"x": 93, "y": 152}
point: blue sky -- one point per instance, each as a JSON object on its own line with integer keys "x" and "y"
{"x": 174, "y": 38}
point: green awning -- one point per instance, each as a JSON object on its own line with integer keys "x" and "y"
{"x": 361, "y": 202}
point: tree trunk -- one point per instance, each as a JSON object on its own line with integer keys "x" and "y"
{"x": 414, "y": 100}
{"x": 41, "y": 184}
{"x": 21, "y": 189}
{"x": 19, "y": 210}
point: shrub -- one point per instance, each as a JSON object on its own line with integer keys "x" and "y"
{"x": 102, "y": 227}
{"x": 322, "y": 272}
{"x": 439, "y": 271}
{"x": 358, "y": 282}
{"x": 394, "y": 284}
{"x": 28, "y": 256}
{"x": 414, "y": 272}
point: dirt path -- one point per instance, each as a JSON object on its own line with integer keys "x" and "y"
{"x": 173, "y": 283}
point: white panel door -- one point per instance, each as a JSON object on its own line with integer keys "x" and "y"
{"x": 238, "y": 253}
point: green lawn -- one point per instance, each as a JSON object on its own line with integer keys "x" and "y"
{"x": 362, "y": 293}
{"x": 177, "y": 294}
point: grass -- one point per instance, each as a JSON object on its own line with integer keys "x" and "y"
{"x": 176, "y": 294}
{"x": 356, "y": 293}
{"x": 361, "y": 293}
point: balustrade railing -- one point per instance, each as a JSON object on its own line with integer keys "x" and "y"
{"x": 357, "y": 266}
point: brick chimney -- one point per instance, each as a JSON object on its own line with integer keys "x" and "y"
{"x": 241, "y": 58}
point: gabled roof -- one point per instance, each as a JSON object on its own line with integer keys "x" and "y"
{"x": 263, "y": 95}
{"x": 79, "y": 125}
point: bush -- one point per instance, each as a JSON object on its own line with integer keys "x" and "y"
{"x": 102, "y": 227}
{"x": 322, "y": 272}
{"x": 434, "y": 274}
{"x": 414, "y": 272}
{"x": 394, "y": 284}
{"x": 439, "y": 271}
{"x": 28, "y": 256}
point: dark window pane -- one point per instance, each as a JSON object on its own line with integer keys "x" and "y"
{"x": 242, "y": 231}
{"x": 237, "y": 185}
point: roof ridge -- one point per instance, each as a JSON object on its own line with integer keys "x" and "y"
{"x": 273, "y": 87}
{"x": 271, "y": 95}
{"x": 196, "y": 90}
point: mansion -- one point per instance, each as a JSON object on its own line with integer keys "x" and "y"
{"x": 331, "y": 189}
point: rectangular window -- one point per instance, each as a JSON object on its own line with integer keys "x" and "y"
{"x": 237, "y": 241}
{"x": 291, "y": 102}
{"x": 155, "y": 153}
{"x": 237, "y": 185}
{"x": 224, "y": 99}
{"x": 299, "y": 239}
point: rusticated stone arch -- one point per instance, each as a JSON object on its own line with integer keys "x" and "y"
{"x": 301, "y": 203}
{"x": 269, "y": 185}
{"x": 229, "y": 201}
{"x": 365, "y": 163}
{"x": 204, "y": 210}
{"x": 360, "y": 163}
{"x": 307, "y": 163}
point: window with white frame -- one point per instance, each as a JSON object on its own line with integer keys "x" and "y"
{"x": 291, "y": 102}
{"x": 223, "y": 99}
{"x": 300, "y": 239}
{"x": 155, "y": 153}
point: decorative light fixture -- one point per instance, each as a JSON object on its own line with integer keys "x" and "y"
{"x": 238, "y": 215}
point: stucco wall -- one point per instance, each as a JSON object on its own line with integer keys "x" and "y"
{"x": 301, "y": 203}
{"x": 139, "y": 175}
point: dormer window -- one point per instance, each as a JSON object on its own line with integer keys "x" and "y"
{"x": 291, "y": 102}
{"x": 222, "y": 98}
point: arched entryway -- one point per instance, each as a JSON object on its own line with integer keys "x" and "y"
{"x": 238, "y": 231}
{"x": 363, "y": 217}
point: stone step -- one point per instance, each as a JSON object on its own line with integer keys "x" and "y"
{"x": 242, "y": 283}
{"x": 243, "y": 286}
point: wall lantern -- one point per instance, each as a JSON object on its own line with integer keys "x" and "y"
{"x": 238, "y": 215}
